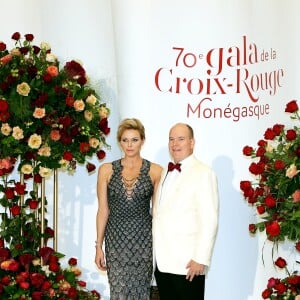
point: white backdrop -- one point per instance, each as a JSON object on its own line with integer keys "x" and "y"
{"x": 135, "y": 51}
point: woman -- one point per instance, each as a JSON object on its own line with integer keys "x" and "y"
{"x": 125, "y": 189}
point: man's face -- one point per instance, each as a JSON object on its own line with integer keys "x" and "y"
{"x": 181, "y": 144}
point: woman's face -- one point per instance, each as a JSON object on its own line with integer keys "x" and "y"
{"x": 131, "y": 142}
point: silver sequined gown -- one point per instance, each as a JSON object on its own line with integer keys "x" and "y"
{"x": 128, "y": 236}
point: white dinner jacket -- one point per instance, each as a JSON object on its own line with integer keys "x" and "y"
{"x": 185, "y": 221}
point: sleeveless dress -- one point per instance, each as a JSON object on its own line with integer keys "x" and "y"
{"x": 128, "y": 236}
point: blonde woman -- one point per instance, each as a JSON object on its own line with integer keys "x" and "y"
{"x": 125, "y": 189}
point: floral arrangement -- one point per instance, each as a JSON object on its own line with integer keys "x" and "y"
{"x": 28, "y": 269}
{"x": 275, "y": 194}
{"x": 50, "y": 117}
{"x": 25, "y": 277}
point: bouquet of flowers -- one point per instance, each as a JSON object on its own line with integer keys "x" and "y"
{"x": 275, "y": 193}
{"x": 50, "y": 117}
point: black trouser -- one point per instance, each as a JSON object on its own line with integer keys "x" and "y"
{"x": 177, "y": 287}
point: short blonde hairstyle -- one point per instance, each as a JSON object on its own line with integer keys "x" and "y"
{"x": 131, "y": 123}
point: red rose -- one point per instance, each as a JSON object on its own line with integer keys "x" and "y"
{"x": 49, "y": 231}
{"x": 6, "y": 280}
{"x": 72, "y": 261}
{"x": 272, "y": 282}
{"x": 72, "y": 293}
{"x": 82, "y": 283}
{"x": 29, "y": 37}
{"x": 90, "y": 167}
{"x": 4, "y": 254}
{"x": 74, "y": 69}
{"x": 66, "y": 121}
{"x": 9, "y": 193}
{"x": 293, "y": 280}
{"x": 291, "y": 134}
{"x": 291, "y": 106}
{"x": 47, "y": 78}
{"x": 266, "y": 293}
{"x": 16, "y": 36}
{"x": 277, "y": 128}
{"x": 84, "y": 147}
{"x": 245, "y": 185}
{"x": 54, "y": 267}
{"x": 15, "y": 210}
{"x": 101, "y": 154}
{"x": 270, "y": 201}
{"x": 4, "y": 116}
{"x": 297, "y": 246}
{"x": 36, "y": 295}
{"x": 1, "y": 243}
{"x": 279, "y": 165}
{"x": 68, "y": 155}
{"x": 280, "y": 288}
{"x": 96, "y": 294}
{"x": 252, "y": 228}
{"x": 269, "y": 134}
{"x": 252, "y": 200}
{"x": 37, "y": 178}
{"x": 260, "y": 209}
{"x": 247, "y": 150}
{"x": 280, "y": 262}
{"x": 262, "y": 143}
{"x": 24, "y": 285}
{"x": 3, "y": 105}
{"x": 103, "y": 126}
{"x": 46, "y": 286}
{"x": 2, "y": 46}
{"x": 33, "y": 204}
{"x": 70, "y": 101}
{"x": 260, "y": 151}
{"x": 20, "y": 188}
{"x": 273, "y": 229}
{"x": 25, "y": 259}
{"x": 257, "y": 168}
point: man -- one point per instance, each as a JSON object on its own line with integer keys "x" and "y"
{"x": 185, "y": 220}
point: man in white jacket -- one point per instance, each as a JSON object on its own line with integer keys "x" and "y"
{"x": 185, "y": 220}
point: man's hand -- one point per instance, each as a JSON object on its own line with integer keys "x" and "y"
{"x": 194, "y": 269}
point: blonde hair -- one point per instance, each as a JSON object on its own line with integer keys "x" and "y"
{"x": 131, "y": 123}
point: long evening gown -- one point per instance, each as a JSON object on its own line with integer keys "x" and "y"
{"x": 128, "y": 235}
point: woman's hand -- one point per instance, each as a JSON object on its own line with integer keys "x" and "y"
{"x": 100, "y": 259}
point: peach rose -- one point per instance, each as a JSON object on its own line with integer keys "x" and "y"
{"x": 88, "y": 115}
{"x": 6, "y": 129}
{"x": 26, "y": 169}
{"x": 103, "y": 112}
{"x": 35, "y": 141}
{"x": 91, "y": 100}
{"x": 52, "y": 71}
{"x": 39, "y": 113}
{"x": 296, "y": 196}
{"x": 94, "y": 143}
{"x": 5, "y": 59}
{"x": 17, "y": 133}
{"x": 23, "y": 89}
{"x": 51, "y": 58}
{"x": 291, "y": 171}
{"x": 55, "y": 135}
{"x": 44, "y": 151}
{"x": 79, "y": 105}
{"x": 44, "y": 172}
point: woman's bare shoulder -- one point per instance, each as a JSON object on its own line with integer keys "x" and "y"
{"x": 105, "y": 169}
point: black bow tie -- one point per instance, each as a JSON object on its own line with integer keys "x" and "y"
{"x": 172, "y": 166}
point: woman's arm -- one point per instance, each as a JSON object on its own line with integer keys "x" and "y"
{"x": 102, "y": 214}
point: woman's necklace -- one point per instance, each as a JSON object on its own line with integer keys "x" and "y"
{"x": 129, "y": 185}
